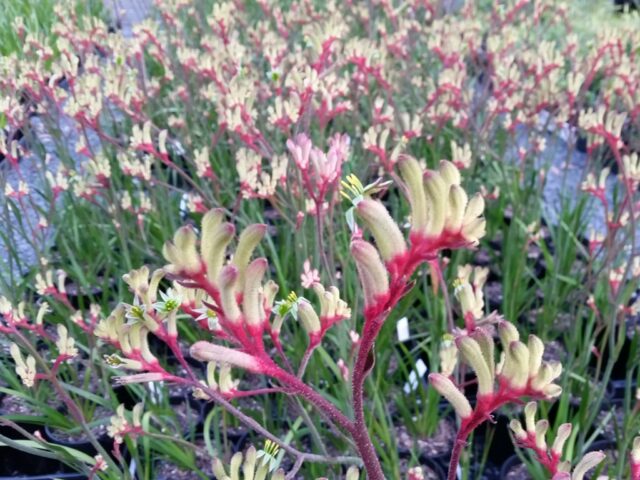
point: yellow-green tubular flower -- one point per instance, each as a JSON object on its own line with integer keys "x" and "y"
{"x": 471, "y": 301}
{"x": 448, "y": 390}
{"x": 324, "y": 299}
{"x": 472, "y": 354}
{"x": 181, "y": 253}
{"x": 457, "y": 202}
{"x": 384, "y": 229}
{"x": 564, "y": 432}
{"x": 269, "y": 291}
{"x": 227, "y": 281}
{"x": 448, "y": 354}
{"x": 543, "y": 380}
{"x": 331, "y": 305}
{"x": 508, "y": 333}
{"x": 530, "y": 416}
{"x": 25, "y": 369}
{"x": 487, "y": 347}
{"x": 541, "y": 431}
{"x": 152, "y": 294}
{"x": 516, "y": 365}
{"x": 373, "y": 274}
{"x": 216, "y": 235}
{"x": 209, "y": 352}
{"x": 589, "y": 461}
{"x": 353, "y": 473}
{"x": 247, "y": 243}
{"x": 411, "y": 173}
{"x": 473, "y": 225}
{"x": 252, "y": 304}
{"x": 144, "y": 346}
{"x": 635, "y": 450}
{"x": 536, "y": 351}
{"x": 518, "y": 431}
{"x": 138, "y": 280}
{"x": 436, "y": 191}
{"x": 252, "y": 467}
{"x": 109, "y": 327}
{"x": 308, "y": 317}
{"x": 449, "y": 173}
{"x": 211, "y": 375}
{"x": 65, "y": 343}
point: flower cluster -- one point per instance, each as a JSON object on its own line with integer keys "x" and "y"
{"x": 533, "y": 437}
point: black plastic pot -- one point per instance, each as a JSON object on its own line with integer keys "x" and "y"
{"x": 512, "y": 462}
{"x": 83, "y": 444}
{"x": 17, "y": 464}
{"x": 496, "y": 434}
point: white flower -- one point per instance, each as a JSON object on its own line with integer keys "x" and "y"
{"x": 171, "y": 301}
{"x": 209, "y": 315}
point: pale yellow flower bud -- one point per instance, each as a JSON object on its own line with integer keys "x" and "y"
{"x": 411, "y": 173}
{"x": 564, "y": 432}
{"x": 518, "y": 431}
{"x": 215, "y": 238}
{"x": 448, "y": 390}
{"x": 251, "y": 300}
{"x": 473, "y": 356}
{"x": 182, "y": 253}
{"x": 385, "y": 230}
{"x": 308, "y": 317}
{"x": 589, "y": 461}
{"x": 248, "y": 241}
{"x": 228, "y": 280}
{"x": 373, "y": 275}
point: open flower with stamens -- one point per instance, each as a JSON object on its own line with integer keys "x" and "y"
{"x": 533, "y": 437}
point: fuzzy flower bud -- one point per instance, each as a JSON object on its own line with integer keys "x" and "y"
{"x": 448, "y": 390}
{"x": 589, "y": 461}
{"x": 308, "y": 317}
{"x": 384, "y": 229}
{"x": 247, "y": 243}
{"x": 209, "y": 352}
{"x": 373, "y": 275}
{"x": 564, "y": 432}
{"x": 216, "y": 235}
{"x": 181, "y": 253}
{"x": 472, "y": 354}
{"x": 411, "y": 173}
{"x": 252, "y": 297}
{"x": 228, "y": 280}
{"x": 25, "y": 369}
{"x": 65, "y": 343}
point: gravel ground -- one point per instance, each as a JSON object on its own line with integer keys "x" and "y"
{"x": 18, "y": 226}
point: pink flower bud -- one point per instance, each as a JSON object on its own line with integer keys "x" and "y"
{"x": 209, "y": 352}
